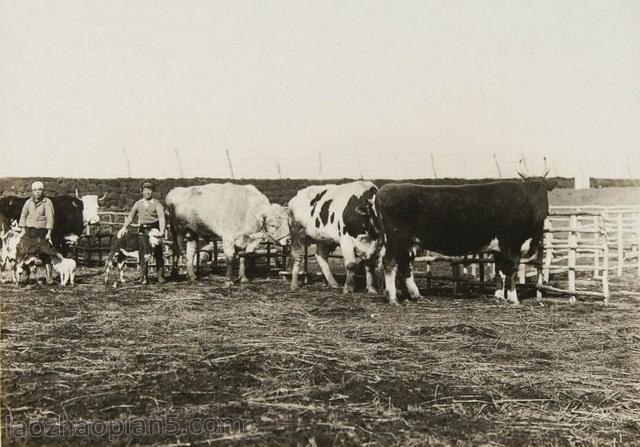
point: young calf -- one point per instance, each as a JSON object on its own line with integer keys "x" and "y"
{"x": 66, "y": 268}
{"x": 132, "y": 245}
{"x": 9, "y": 238}
{"x": 28, "y": 251}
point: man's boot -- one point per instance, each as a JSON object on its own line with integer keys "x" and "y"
{"x": 144, "y": 269}
{"x": 161, "y": 275}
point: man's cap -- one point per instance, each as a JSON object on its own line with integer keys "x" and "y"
{"x": 37, "y": 185}
{"x": 149, "y": 185}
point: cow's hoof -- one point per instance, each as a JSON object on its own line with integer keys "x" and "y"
{"x": 394, "y": 302}
{"x": 416, "y": 297}
{"x": 499, "y": 294}
{"x": 244, "y": 281}
{"x": 228, "y": 283}
{"x": 144, "y": 282}
{"x": 372, "y": 291}
{"x": 347, "y": 290}
{"x": 512, "y": 297}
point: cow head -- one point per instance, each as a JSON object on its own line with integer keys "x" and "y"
{"x": 275, "y": 223}
{"x": 524, "y": 174}
{"x": 90, "y": 207}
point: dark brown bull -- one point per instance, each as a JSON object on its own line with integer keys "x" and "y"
{"x": 505, "y": 218}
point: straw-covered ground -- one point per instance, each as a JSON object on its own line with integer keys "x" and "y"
{"x": 272, "y": 367}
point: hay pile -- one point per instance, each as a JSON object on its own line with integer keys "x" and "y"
{"x": 318, "y": 368}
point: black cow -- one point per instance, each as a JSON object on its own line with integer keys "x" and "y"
{"x": 132, "y": 245}
{"x": 505, "y": 218}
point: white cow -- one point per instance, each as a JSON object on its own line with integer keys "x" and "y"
{"x": 239, "y": 214}
{"x": 332, "y": 216}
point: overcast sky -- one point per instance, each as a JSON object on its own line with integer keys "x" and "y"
{"x": 324, "y": 88}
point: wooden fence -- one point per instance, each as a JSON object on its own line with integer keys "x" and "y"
{"x": 623, "y": 234}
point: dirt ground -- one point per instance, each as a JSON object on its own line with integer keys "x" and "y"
{"x": 316, "y": 367}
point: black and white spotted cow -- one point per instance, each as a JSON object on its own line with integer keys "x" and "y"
{"x": 331, "y": 216}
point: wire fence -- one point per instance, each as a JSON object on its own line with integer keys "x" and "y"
{"x": 322, "y": 163}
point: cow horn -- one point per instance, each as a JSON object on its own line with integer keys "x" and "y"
{"x": 103, "y": 197}
{"x": 77, "y": 195}
{"x": 546, "y": 168}
{"x": 522, "y": 170}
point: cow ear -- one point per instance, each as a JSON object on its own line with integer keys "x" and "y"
{"x": 362, "y": 210}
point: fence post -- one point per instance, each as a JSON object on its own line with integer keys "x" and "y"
{"x": 548, "y": 247}
{"x": 268, "y": 259}
{"x": 620, "y": 236}
{"x": 573, "y": 245}
{"x": 605, "y": 261}
{"x": 474, "y": 266}
{"x": 596, "y": 252}
{"x": 637, "y": 241}
{"x": 215, "y": 253}
{"x": 492, "y": 267}
{"x": 455, "y": 269}
{"x": 99, "y": 237}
